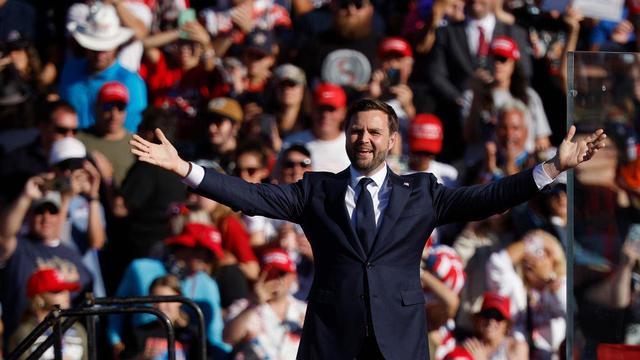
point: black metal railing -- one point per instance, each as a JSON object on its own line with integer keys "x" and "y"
{"x": 94, "y": 307}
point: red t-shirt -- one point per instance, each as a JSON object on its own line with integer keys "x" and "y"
{"x": 235, "y": 239}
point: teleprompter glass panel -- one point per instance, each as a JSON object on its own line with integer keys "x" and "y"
{"x": 604, "y": 207}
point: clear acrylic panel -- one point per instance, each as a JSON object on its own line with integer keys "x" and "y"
{"x": 604, "y": 202}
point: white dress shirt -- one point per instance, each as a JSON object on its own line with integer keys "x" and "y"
{"x": 488, "y": 24}
{"x": 379, "y": 190}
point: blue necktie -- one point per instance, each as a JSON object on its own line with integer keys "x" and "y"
{"x": 365, "y": 216}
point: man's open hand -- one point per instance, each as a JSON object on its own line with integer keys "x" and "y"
{"x": 163, "y": 155}
{"x": 570, "y": 154}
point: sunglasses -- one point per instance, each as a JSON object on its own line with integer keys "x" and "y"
{"x": 106, "y": 107}
{"x": 500, "y": 58}
{"x": 291, "y": 164}
{"x": 250, "y": 170}
{"x": 494, "y": 314}
{"x": 287, "y": 83}
{"x": 65, "y": 130}
{"x": 344, "y": 4}
{"x": 50, "y": 208}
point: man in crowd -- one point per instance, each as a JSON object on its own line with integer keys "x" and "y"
{"x": 460, "y": 49}
{"x": 222, "y": 120}
{"x": 271, "y": 328}
{"x": 82, "y": 78}
{"x": 40, "y": 247}
{"x": 366, "y": 303}
{"x": 57, "y": 120}
{"x": 325, "y": 139}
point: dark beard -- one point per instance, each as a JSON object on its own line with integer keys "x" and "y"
{"x": 350, "y": 30}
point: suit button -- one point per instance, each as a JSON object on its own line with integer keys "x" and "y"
{"x": 362, "y": 297}
{"x": 369, "y": 265}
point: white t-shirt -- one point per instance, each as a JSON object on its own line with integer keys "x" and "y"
{"x": 325, "y": 155}
{"x": 446, "y": 174}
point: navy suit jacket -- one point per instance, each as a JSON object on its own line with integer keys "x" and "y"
{"x": 334, "y": 325}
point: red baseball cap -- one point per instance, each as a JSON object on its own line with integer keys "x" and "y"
{"x": 329, "y": 95}
{"x": 49, "y": 280}
{"x": 113, "y": 91}
{"x": 425, "y": 134}
{"x": 458, "y": 353}
{"x": 396, "y": 45}
{"x": 493, "y": 300}
{"x": 276, "y": 260}
{"x": 505, "y": 46}
{"x": 195, "y": 234}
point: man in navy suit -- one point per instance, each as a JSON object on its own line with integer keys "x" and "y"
{"x": 367, "y": 227}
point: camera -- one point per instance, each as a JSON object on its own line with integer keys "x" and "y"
{"x": 59, "y": 183}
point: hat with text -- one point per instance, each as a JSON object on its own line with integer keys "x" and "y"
{"x": 394, "y": 45}
{"x": 493, "y": 300}
{"x": 327, "y": 94}
{"x": 197, "y": 234}
{"x": 275, "y": 260}
{"x": 505, "y": 46}
{"x": 425, "y": 134}
{"x": 67, "y": 148}
{"x": 49, "y": 280}
{"x": 113, "y": 91}
{"x": 101, "y": 31}
{"x": 225, "y": 107}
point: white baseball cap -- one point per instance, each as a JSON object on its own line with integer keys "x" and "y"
{"x": 101, "y": 31}
{"x": 66, "y": 148}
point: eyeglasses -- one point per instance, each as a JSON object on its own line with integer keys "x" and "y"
{"x": 65, "y": 130}
{"x": 494, "y": 314}
{"x": 106, "y": 107}
{"x": 291, "y": 164}
{"x": 50, "y": 208}
{"x": 500, "y": 58}
{"x": 344, "y": 4}
{"x": 250, "y": 170}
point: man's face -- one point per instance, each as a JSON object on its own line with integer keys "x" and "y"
{"x": 257, "y": 62}
{"x": 352, "y": 18}
{"x": 44, "y": 222}
{"x": 220, "y": 130}
{"x": 294, "y": 165}
{"x": 100, "y": 60}
{"x": 369, "y": 141}
{"x": 111, "y": 117}
{"x": 478, "y": 9}
{"x": 326, "y": 121}
{"x": 249, "y": 168}
{"x": 63, "y": 124}
{"x": 511, "y": 133}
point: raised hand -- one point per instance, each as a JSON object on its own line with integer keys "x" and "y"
{"x": 163, "y": 155}
{"x": 570, "y": 154}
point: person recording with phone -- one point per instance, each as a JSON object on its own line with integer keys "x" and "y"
{"x": 389, "y": 83}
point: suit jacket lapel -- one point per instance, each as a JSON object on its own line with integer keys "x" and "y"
{"x": 398, "y": 199}
{"x": 463, "y": 43}
{"x": 337, "y": 210}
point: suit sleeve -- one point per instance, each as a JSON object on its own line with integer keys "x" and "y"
{"x": 480, "y": 201}
{"x": 438, "y": 69}
{"x": 275, "y": 201}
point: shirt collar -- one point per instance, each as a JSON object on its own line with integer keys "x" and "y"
{"x": 378, "y": 177}
{"x": 488, "y": 23}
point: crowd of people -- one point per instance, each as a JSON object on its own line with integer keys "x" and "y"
{"x": 260, "y": 89}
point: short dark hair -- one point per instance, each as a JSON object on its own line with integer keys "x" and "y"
{"x": 50, "y": 108}
{"x": 256, "y": 148}
{"x": 154, "y": 117}
{"x": 367, "y": 104}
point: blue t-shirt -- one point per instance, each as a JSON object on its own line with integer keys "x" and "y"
{"x": 79, "y": 87}
{"x": 199, "y": 287}
{"x": 29, "y": 256}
